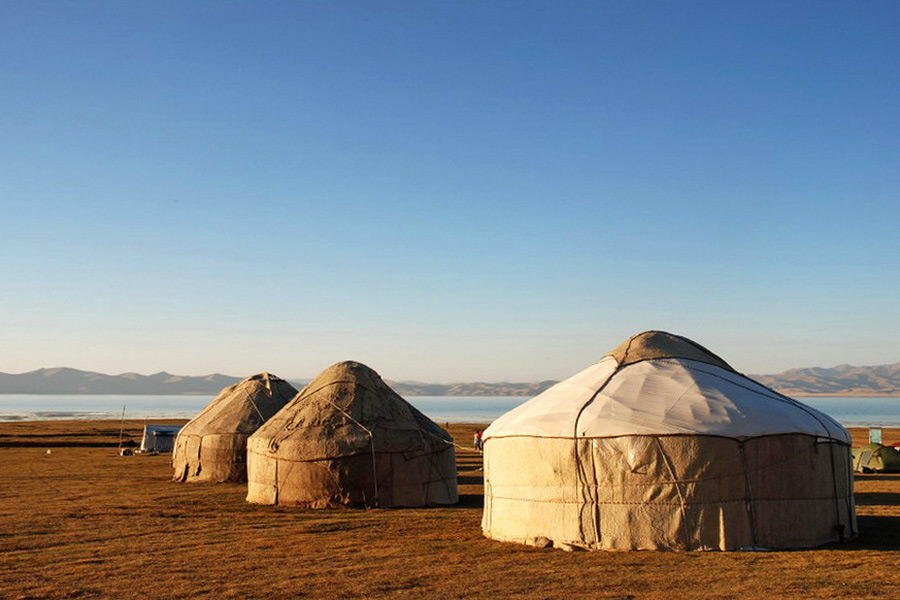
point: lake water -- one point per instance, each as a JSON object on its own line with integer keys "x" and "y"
{"x": 849, "y": 411}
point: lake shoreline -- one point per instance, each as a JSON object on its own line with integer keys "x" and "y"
{"x": 863, "y": 411}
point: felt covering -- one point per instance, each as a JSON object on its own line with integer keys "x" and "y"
{"x": 349, "y": 439}
{"x": 212, "y": 447}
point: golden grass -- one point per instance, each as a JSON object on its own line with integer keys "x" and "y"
{"x": 83, "y": 522}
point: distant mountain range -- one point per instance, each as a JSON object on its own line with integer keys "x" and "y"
{"x": 63, "y": 380}
{"x": 842, "y": 380}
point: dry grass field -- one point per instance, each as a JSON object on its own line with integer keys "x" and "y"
{"x": 82, "y": 522}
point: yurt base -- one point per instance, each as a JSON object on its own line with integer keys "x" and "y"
{"x": 348, "y": 482}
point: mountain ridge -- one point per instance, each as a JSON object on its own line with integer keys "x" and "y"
{"x": 841, "y": 380}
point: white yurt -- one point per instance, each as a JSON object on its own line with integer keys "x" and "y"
{"x": 662, "y": 445}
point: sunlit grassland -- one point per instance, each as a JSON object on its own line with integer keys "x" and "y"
{"x": 83, "y": 522}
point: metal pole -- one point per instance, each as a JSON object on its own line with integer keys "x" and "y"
{"x": 121, "y": 428}
{"x": 374, "y": 468}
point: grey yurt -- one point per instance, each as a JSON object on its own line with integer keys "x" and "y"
{"x": 662, "y": 445}
{"x": 159, "y": 438}
{"x": 212, "y": 447}
{"x": 349, "y": 439}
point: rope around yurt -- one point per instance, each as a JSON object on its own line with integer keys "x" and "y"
{"x": 371, "y": 442}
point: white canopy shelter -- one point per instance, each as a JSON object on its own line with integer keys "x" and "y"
{"x": 159, "y": 438}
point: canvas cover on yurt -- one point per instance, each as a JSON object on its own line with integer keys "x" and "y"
{"x": 662, "y": 445}
{"x": 212, "y": 447}
{"x": 876, "y": 458}
{"x": 349, "y": 439}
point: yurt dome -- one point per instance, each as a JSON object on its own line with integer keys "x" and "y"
{"x": 662, "y": 445}
{"x": 212, "y": 447}
{"x": 349, "y": 439}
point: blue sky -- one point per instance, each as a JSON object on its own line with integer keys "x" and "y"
{"x": 446, "y": 191}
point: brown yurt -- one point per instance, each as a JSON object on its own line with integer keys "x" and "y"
{"x": 212, "y": 447}
{"x": 662, "y": 445}
{"x": 349, "y": 439}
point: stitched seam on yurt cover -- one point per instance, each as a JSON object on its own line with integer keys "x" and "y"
{"x": 302, "y": 395}
{"x": 681, "y": 499}
{"x": 683, "y": 434}
{"x": 365, "y": 452}
{"x": 687, "y": 503}
{"x": 751, "y": 515}
{"x": 627, "y": 362}
{"x": 580, "y": 477}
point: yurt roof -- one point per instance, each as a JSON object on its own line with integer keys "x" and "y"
{"x": 657, "y": 383}
{"x": 650, "y": 345}
{"x": 339, "y": 412}
{"x": 244, "y": 406}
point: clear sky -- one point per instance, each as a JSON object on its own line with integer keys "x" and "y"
{"x": 447, "y": 191}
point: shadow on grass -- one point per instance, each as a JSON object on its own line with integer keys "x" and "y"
{"x": 877, "y": 499}
{"x": 876, "y": 477}
{"x": 57, "y": 444}
{"x": 875, "y": 533}
{"x": 469, "y": 480}
{"x": 73, "y": 434}
{"x": 469, "y": 501}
